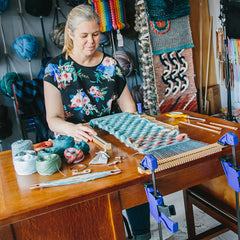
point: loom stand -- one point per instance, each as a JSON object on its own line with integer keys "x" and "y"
{"x": 232, "y": 171}
{"x": 158, "y": 209}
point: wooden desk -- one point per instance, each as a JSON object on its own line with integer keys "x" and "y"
{"x": 92, "y": 210}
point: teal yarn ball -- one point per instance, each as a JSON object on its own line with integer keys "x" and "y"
{"x": 48, "y": 164}
{"x": 63, "y": 142}
{"x": 83, "y": 146}
{"x": 50, "y": 150}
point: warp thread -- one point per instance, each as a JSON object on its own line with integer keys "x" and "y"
{"x": 73, "y": 155}
{"x": 63, "y": 142}
{"x": 25, "y": 162}
{"x": 48, "y": 164}
{"x": 42, "y": 145}
{"x": 83, "y": 146}
{"x": 50, "y": 150}
{"x": 21, "y": 145}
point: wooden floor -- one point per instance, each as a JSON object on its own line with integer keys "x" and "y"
{"x": 202, "y": 221}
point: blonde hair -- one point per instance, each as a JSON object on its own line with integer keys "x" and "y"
{"x": 77, "y": 15}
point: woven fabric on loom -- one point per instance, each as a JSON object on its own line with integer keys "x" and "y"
{"x": 179, "y": 36}
{"x": 174, "y": 80}
{"x": 160, "y": 10}
{"x": 112, "y": 14}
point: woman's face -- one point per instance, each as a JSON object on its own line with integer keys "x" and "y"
{"x": 86, "y": 37}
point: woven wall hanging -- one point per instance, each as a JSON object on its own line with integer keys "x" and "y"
{"x": 174, "y": 80}
{"x": 112, "y": 14}
{"x": 171, "y": 35}
{"x": 160, "y": 10}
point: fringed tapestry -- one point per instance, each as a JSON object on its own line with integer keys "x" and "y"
{"x": 174, "y": 80}
{"x": 170, "y": 35}
{"x": 161, "y": 10}
{"x": 145, "y": 59}
{"x": 112, "y": 14}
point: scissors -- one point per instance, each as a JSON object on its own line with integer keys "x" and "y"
{"x": 182, "y": 115}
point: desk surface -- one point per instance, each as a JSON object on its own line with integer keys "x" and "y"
{"x": 18, "y": 202}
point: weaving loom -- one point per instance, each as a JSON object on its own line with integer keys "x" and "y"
{"x": 149, "y": 136}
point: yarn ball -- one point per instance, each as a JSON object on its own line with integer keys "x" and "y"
{"x": 21, "y": 145}
{"x": 83, "y": 146}
{"x": 57, "y": 35}
{"x": 7, "y": 81}
{"x": 50, "y": 150}
{"x": 48, "y": 164}
{"x": 3, "y": 6}
{"x": 26, "y": 46}
{"x": 63, "y": 142}
{"x": 125, "y": 62}
{"x": 73, "y": 155}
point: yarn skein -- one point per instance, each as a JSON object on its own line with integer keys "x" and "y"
{"x": 42, "y": 145}
{"x": 25, "y": 162}
{"x": 48, "y": 164}
{"x": 83, "y": 146}
{"x": 21, "y": 145}
{"x": 73, "y": 155}
{"x": 26, "y": 46}
{"x": 63, "y": 142}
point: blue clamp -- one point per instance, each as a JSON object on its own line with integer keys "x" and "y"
{"x": 158, "y": 209}
{"x": 232, "y": 171}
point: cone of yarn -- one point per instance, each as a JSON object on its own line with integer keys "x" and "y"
{"x": 21, "y": 145}
{"x": 48, "y": 164}
{"x": 26, "y": 46}
{"x": 25, "y": 162}
{"x": 83, "y": 146}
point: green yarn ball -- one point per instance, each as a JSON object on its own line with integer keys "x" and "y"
{"x": 83, "y": 146}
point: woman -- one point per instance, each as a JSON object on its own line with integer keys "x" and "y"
{"x": 83, "y": 83}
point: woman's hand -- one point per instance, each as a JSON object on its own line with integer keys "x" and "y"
{"x": 81, "y": 132}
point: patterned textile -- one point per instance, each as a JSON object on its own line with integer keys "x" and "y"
{"x": 145, "y": 59}
{"x": 30, "y": 103}
{"x": 87, "y": 92}
{"x": 160, "y": 10}
{"x": 176, "y": 35}
{"x": 174, "y": 79}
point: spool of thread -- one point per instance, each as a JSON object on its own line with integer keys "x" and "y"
{"x": 42, "y": 145}
{"x": 48, "y": 164}
{"x": 50, "y": 150}
{"x": 83, "y": 146}
{"x": 63, "y": 142}
{"x": 73, "y": 155}
{"x": 21, "y": 145}
{"x": 25, "y": 162}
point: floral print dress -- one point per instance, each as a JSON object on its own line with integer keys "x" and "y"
{"x": 87, "y": 92}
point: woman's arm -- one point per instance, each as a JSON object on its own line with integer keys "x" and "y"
{"x": 125, "y": 101}
{"x": 55, "y": 116}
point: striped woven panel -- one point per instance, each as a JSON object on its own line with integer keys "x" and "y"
{"x": 172, "y": 35}
{"x": 174, "y": 81}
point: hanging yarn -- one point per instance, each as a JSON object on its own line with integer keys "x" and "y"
{"x": 26, "y": 46}
{"x": 63, "y": 142}
{"x": 57, "y": 35}
{"x": 25, "y": 162}
{"x": 48, "y": 164}
{"x": 42, "y": 145}
{"x": 83, "y": 146}
{"x": 3, "y": 5}
{"x": 7, "y": 81}
{"x": 73, "y": 155}
{"x": 125, "y": 62}
{"x": 47, "y": 151}
{"x": 21, "y": 145}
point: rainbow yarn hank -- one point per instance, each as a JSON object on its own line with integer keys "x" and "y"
{"x": 138, "y": 132}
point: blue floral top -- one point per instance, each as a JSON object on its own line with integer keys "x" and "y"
{"x": 87, "y": 92}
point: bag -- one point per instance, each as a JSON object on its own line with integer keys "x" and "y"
{"x": 3, "y": 5}
{"x": 38, "y": 8}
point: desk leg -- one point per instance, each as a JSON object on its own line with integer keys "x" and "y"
{"x": 99, "y": 218}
